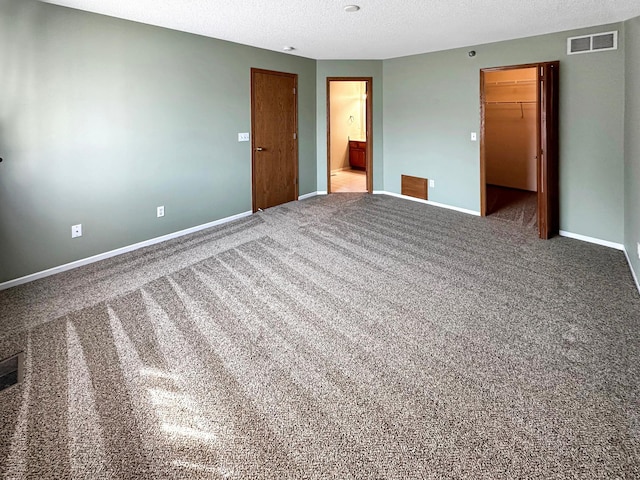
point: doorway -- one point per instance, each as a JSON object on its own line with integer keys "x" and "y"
{"x": 519, "y": 145}
{"x": 274, "y": 138}
{"x": 349, "y": 142}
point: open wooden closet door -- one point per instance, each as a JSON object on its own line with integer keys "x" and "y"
{"x": 548, "y": 201}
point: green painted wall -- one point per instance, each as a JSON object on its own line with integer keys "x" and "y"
{"x": 431, "y": 104}
{"x": 349, "y": 68}
{"x": 632, "y": 142}
{"x": 102, "y": 120}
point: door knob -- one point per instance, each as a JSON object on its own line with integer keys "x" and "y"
{"x": 259, "y": 149}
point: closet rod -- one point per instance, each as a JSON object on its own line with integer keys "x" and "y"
{"x": 510, "y": 103}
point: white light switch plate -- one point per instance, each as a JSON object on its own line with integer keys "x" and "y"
{"x": 474, "y": 136}
{"x": 76, "y": 230}
{"x": 243, "y": 137}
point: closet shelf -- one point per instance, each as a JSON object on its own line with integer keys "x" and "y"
{"x": 516, "y": 104}
{"x": 510, "y": 83}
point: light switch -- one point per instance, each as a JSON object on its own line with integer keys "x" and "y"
{"x": 243, "y": 137}
{"x": 474, "y": 136}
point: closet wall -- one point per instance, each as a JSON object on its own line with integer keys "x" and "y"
{"x": 510, "y": 128}
{"x": 348, "y": 119}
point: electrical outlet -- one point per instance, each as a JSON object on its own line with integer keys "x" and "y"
{"x": 76, "y": 230}
{"x": 639, "y": 250}
{"x": 243, "y": 137}
{"x": 432, "y": 183}
{"x": 160, "y": 211}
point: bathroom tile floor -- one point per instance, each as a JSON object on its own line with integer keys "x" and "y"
{"x": 348, "y": 181}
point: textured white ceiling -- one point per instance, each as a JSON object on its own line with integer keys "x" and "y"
{"x": 321, "y": 29}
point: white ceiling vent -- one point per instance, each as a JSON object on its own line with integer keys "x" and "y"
{"x": 592, "y": 43}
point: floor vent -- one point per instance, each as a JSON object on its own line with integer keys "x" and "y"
{"x": 11, "y": 371}
{"x": 596, "y": 42}
{"x": 414, "y": 187}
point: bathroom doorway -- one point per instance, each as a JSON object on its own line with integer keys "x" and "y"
{"x": 349, "y": 146}
{"x": 519, "y": 145}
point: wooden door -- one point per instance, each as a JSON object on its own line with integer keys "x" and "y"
{"x": 274, "y": 127}
{"x": 548, "y": 201}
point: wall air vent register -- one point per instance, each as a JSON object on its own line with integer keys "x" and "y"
{"x": 596, "y": 42}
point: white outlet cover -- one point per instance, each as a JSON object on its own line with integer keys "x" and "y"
{"x": 76, "y": 230}
{"x": 243, "y": 137}
{"x": 432, "y": 183}
{"x": 638, "y": 249}
{"x": 160, "y": 211}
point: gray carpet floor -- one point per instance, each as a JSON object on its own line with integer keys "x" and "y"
{"x": 347, "y": 337}
{"x": 513, "y": 205}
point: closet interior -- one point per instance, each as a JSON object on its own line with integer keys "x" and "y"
{"x": 511, "y": 117}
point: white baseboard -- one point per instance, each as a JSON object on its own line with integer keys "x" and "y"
{"x": 312, "y": 194}
{"x": 597, "y": 241}
{"x": 307, "y": 195}
{"x": 428, "y": 202}
{"x": 633, "y": 273}
{"x": 118, "y": 251}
